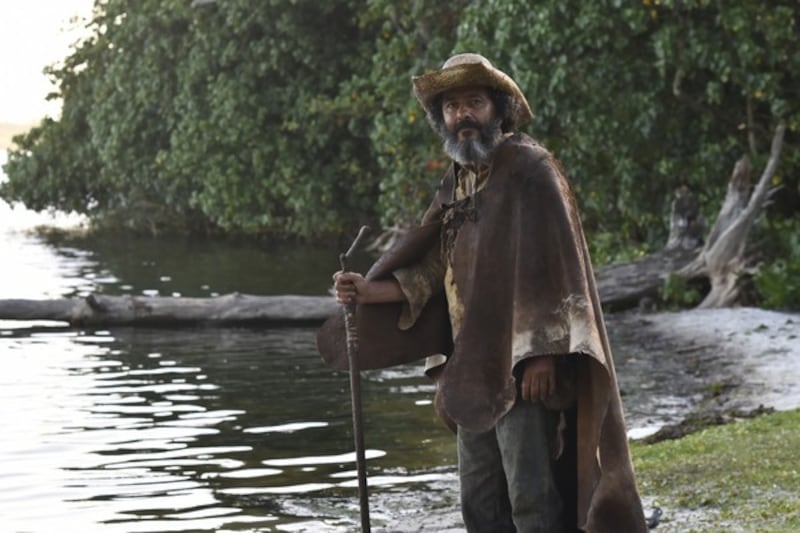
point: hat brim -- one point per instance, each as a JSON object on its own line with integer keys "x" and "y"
{"x": 428, "y": 86}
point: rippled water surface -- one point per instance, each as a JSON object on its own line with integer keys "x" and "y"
{"x": 152, "y": 430}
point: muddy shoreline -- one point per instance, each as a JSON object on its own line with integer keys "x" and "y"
{"x": 682, "y": 369}
{"x": 706, "y": 364}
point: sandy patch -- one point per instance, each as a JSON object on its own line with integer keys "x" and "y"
{"x": 757, "y": 348}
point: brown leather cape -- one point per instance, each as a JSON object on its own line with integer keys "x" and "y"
{"x": 522, "y": 268}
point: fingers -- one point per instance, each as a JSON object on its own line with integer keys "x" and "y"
{"x": 551, "y": 384}
{"x": 344, "y": 286}
{"x": 530, "y": 388}
{"x": 537, "y": 389}
{"x": 524, "y": 390}
{"x": 533, "y": 389}
{"x": 538, "y": 379}
{"x": 345, "y": 295}
{"x": 341, "y": 275}
{"x": 346, "y": 277}
{"x": 345, "y": 291}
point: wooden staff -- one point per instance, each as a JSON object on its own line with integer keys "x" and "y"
{"x": 351, "y": 333}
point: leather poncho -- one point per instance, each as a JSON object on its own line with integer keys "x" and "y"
{"x": 522, "y": 268}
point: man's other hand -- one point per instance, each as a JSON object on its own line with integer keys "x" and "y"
{"x": 539, "y": 378}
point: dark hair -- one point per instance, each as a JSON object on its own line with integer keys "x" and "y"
{"x": 504, "y": 105}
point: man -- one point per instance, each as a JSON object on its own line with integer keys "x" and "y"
{"x": 496, "y": 289}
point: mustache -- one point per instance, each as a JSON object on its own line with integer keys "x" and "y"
{"x": 467, "y": 123}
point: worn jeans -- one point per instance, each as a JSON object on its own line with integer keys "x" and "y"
{"x": 507, "y": 480}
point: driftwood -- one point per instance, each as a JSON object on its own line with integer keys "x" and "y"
{"x": 626, "y": 285}
{"x": 620, "y": 286}
{"x": 230, "y": 309}
{"x": 723, "y": 258}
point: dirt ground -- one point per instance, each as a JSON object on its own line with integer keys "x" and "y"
{"x": 757, "y": 350}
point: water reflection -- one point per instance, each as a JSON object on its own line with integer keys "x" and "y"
{"x": 209, "y": 430}
{"x": 241, "y": 429}
{"x": 159, "y": 267}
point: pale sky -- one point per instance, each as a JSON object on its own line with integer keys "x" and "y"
{"x": 34, "y": 34}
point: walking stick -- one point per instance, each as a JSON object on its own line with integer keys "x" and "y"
{"x": 355, "y": 388}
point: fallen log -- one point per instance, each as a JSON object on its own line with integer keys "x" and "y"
{"x": 620, "y": 286}
{"x": 226, "y": 310}
{"x": 626, "y": 285}
{"x": 722, "y": 258}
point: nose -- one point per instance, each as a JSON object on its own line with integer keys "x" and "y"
{"x": 463, "y": 111}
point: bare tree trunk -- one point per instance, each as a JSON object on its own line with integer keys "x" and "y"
{"x": 723, "y": 258}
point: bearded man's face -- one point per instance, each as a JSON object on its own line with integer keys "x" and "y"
{"x": 471, "y": 128}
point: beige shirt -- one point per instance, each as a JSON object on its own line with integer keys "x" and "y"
{"x": 433, "y": 273}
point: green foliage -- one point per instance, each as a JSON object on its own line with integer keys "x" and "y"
{"x": 132, "y": 113}
{"x": 411, "y": 37}
{"x": 639, "y": 98}
{"x": 264, "y": 129}
{"x": 227, "y": 116}
{"x": 606, "y": 248}
{"x": 296, "y": 118}
{"x": 55, "y": 164}
{"x": 676, "y": 293}
{"x": 778, "y": 281}
{"x": 591, "y": 84}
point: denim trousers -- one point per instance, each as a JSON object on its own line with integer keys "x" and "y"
{"x": 507, "y": 473}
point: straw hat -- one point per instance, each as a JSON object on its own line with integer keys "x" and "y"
{"x": 462, "y": 70}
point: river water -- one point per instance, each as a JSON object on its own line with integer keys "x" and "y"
{"x": 216, "y": 429}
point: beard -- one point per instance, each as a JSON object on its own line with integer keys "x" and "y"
{"x": 474, "y": 149}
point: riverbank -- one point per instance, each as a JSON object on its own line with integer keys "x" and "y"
{"x": 703, "y": 364}
{"x": 740, "y": 477}
{"x": 719, "y": 363}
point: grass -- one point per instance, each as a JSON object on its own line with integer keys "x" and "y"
{"x": 742, "y": 477}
